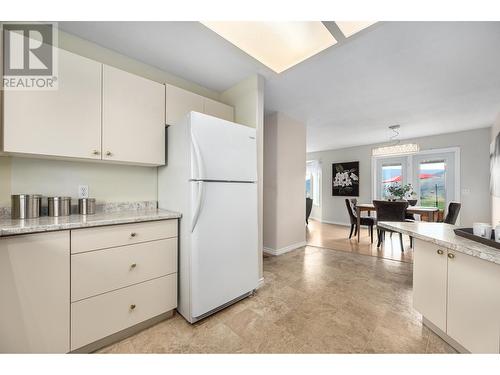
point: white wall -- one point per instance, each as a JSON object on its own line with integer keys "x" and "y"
{"x": 495, "y": 201}
{"x": 284, "y": 188}
{"x": 474, "y": 171}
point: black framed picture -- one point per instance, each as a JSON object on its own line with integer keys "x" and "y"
{"x": 345, "y": 179}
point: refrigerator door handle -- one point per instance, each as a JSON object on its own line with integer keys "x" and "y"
{"x": 199, "y": 202}
{"x": 199, "y": 158}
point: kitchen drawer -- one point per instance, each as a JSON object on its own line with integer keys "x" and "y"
{"x": 117, "y": 235}
{"x": 105, "y": 270}
{"x": 98, "y": 317}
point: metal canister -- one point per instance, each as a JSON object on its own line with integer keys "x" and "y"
{"x": 86, "y": 206}
{"x": 26, "y": 206}
{"x": 59, "y": 206}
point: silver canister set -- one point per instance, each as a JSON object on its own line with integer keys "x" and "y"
{"x": 29, "y": 206}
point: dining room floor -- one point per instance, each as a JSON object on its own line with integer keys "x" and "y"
{"x": 313, "y": 300}
{"x": 332, "y": 236}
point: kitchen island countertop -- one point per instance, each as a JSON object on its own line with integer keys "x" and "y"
{"x": 443, "y": 235}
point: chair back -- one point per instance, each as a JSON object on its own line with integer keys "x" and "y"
{"x": 390, "y": 211}
{"x": 309, "y": 206}
{"x": 350, "y": 211}
{"x": 453, "y": 211}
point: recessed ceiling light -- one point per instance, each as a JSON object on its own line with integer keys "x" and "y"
{"x": 278, "y": 45}
{"x": 349, "y": 28}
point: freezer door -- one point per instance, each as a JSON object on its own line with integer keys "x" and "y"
{"x": 222, "y": 150}
{"x": 224, "y": 249}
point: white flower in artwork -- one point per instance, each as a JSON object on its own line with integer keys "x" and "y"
{"x": 343, "y": 179}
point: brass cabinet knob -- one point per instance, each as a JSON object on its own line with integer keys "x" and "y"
{"x": 132, "y": 307}
{"x": 133, "y": 234}
{"x": 96, "y": 152}
{"x": 451, "y": 255}
{"x": 133, "y": 265}
{"x": 109, "y": 153}
{"x": 440, "y": 252}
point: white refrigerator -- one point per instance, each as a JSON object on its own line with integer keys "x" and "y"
{"x": 211, "y": 179}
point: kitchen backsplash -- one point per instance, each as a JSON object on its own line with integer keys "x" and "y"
{"x": 100, "y": 207}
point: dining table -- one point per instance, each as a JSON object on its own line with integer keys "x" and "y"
{"x": 427, "y": 213}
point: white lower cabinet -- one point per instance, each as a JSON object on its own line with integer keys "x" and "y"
{"x": 97, "y": 317}
{"x": 429, "y": 282}
{"x": 474, "y": 303}
{"x": 121, "y": 275}
{"x": 56, "y": 299}
{"x": 34, "y": 293}
{"x": 459, "y": 294}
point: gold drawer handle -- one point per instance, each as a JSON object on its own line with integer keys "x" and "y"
{"x": 133, "y": 265}
{"x": 133, "y": 234}
{"x": 440, "y": 252}
{"x": 451, "y": 255}
{"x": 132, "y": 307}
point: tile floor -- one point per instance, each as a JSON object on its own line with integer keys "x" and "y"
{"x": 314, "y": 301}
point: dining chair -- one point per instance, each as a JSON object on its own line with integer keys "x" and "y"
{"x": 390, "y": 211}
{"x": 452, "y": 214}
{"x": 368, "y": 221}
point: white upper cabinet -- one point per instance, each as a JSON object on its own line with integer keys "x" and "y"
{"x": 474, "y": 303}
{"x": 217, "y": 109}
{"x": 180, "y": 102}
{"x": 133, "y": 118}
{"x": 62, "y": 122}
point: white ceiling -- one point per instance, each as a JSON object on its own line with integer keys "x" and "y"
{"x": 429, "y": 77}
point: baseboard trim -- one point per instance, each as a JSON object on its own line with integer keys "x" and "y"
{"x": 285, "y": 249}
{"x": 261, "y": 283}
{"x": 426, "y": 322}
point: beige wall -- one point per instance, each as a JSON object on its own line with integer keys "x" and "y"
{"x": 495, "y": 201}
{"x": 247, "y": 98}
{"x": 107, "y": 182}
{"x": 284, "y": 188}
{"x": 474, "y": 172}
{"x": 4, "y": 181}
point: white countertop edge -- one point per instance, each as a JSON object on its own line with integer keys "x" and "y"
{"x": 420, "y": 230}
{"x": 10, "y": 227}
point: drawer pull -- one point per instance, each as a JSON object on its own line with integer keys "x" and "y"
{"x": 133, "y": 265}
{"x": 132, "y": 307}
{"x": 133, "y": 234}
{"x": 451, "y": 255}
{"x": 440, "y": 252}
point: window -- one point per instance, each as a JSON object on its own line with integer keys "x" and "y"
{"x": 390, "y": 174}
{"x": 434, "y": 175}
{"x": 313, "y": 181}
{"x": 432, "y": 183}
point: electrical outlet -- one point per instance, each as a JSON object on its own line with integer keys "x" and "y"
{"x": 83, "y": 191}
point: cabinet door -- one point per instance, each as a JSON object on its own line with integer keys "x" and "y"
{"x": 35, "y": 292}
{"x": 63, "y": 122}
{"x": 180, "y": 102}
{"x": 217, "y": 109}
{"x": 429, "y": 282}
{"x": 474, "y": 303}
{"x": 133, "y": 122}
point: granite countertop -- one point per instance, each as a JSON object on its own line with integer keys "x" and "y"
{"x": 10, "y": 227}
{"x": 443, "y": 235}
